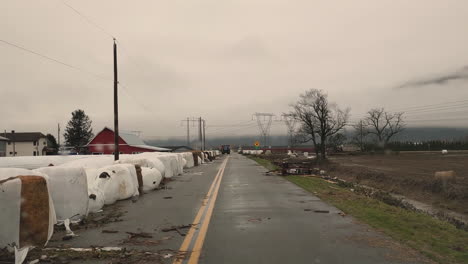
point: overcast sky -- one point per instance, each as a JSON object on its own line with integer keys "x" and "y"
{"x": 227, "y": 59}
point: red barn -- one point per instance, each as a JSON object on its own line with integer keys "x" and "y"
{"x": 103, "y": 143}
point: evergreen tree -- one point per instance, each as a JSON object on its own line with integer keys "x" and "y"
{"x": 52, "y": 143}
{"x": 78, "y": 132}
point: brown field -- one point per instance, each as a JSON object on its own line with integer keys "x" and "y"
{"x": 410, "y": 174}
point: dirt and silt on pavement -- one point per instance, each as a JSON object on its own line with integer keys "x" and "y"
{"x": 410, "y": 174}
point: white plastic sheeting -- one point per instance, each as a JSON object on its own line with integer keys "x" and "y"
{"x": 95, "y": 162}
{"x": 35, "y": 162}
{"x": 253, "y": 152}
{"x": 77, "y": 185}
{"x": 11, "y": 211}
{"x": 144, "y": 161}
{"x": 151, "y": 178}
{"x": 172, "y": 164}
{"x": 189, "y": 161}
{"x": 69, "y": 190}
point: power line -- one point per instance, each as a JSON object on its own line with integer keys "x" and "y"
{"x": 53, "y": 59}
{"x": 242, "y": 124}
{"x": 87, "y": 19}
{"x": 91, "y": 22}
{"x": 126, "y": 91}
{"x": 232, "y": 125}
{"x": 440, "y": 108}
{"x": 426, "y": 106}
{"x": 231, "y": 130}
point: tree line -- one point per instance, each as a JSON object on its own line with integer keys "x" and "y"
{"x": 433, "y": 145}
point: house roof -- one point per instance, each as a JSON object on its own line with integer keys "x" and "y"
{"x": 151, "y": 147}
{"x": 23, "y": 136}
{"x": 4, "y": 139}
{"x": 132, "y": 140}
{"x": 177, "y": 147}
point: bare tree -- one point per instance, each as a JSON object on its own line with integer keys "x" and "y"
{"x": 318, "y": 119}
{"x": 336, "y": 142}
{"x": 360, "y": 133}
{"x": 384, "y": 125}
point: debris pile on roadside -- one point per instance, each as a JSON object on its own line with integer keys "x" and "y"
{"x": 33, "y": 201}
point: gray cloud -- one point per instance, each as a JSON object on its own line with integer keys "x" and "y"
{"x": 442, "y": 79}
{"x": 222, "y": 60}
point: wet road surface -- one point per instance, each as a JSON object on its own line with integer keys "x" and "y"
{"x": 247, "y": 217}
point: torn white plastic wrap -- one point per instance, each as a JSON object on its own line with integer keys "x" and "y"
{"x": 69, "y": 190}
{"x": 27, "y": 212}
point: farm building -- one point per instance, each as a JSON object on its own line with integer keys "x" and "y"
{"x": 103, "y": 143}
{"x": 3, "y": 144}
{"x": 179, "y": 148}
{"x": 25, "y": 144}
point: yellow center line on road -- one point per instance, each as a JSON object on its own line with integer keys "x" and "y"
{"x": 205, "y": 212}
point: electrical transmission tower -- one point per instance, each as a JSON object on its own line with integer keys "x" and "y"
{"x": 264, "y": 124}
{"x": 201, "y": 130}
{"x": 290, "y": 122}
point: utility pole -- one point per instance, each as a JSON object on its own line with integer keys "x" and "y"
{"x": 188, "y": 121}
{"x": 14, "y": 145}
{"x": 58, "y": 135}
{"x": 188, "y": 132}
{"x": 200, "y": 137}
{"x": 204, "y": 142}
{"x": 116, "y": 107}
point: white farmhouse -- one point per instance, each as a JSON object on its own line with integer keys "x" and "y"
{"x": 25, "y": 144}
{"x": 3, "y": 144}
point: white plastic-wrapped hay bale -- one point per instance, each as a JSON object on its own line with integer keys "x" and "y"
{"x": 34, "y": 162}
{"x": 201, "y": 157}
{"x": 151, "y": 178}
{"x": 96, "y": 196}
{"x": 117, "y": 182}
{"x": 95, "y": 162}
{"x": 144, "y": 161}
{"x": 69, "y": 190}
{"x": 180, "y": 163}
{"x": 189, "y": 161}
{"x": 27, "y": 211}
{"x": 170, "y": 161}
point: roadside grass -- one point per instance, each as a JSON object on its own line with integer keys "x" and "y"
{"x": 438, "y": 240}
{"x": 263, "y": 162}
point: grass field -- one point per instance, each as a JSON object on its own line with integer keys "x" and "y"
{"x": 435, "y": 239}
{"x": 265, "y": 163}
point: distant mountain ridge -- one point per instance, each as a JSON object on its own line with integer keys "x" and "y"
{"x": 410, "y": 134}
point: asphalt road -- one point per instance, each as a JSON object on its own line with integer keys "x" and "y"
{"x": 247, "y": 217}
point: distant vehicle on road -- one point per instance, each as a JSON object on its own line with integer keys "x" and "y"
{"x": 225, "y": 149}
